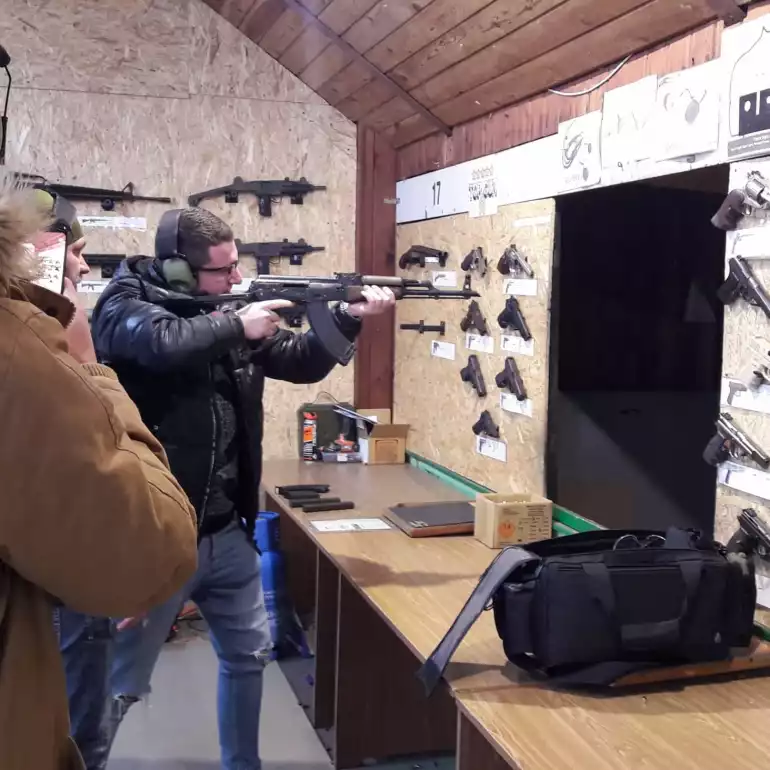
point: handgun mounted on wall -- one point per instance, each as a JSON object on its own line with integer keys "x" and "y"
{"x": 512, "y": 318}
{"x": 474, "y": 319}
{"x": 486, "y": 426}
{"x": 752, "y": 537}
{"x": 475, "y": 260}
{"x": 510, "y": 379}
{"x": 729, "y": 441}
{"x": 755, "y": 195}
{"x": 741, "y": 282}
{"x": 514, "y": 263}
{"x": 421, "y": 255}
{"x": 471, "y": 373}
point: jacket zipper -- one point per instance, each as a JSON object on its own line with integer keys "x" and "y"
{"x": 212, "y": 458}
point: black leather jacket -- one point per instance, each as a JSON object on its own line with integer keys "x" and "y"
{"x": 164, "y": 363}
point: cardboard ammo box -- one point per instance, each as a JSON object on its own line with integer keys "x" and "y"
{"x": 380, "y": 442}
{"x": 512, "y": 519}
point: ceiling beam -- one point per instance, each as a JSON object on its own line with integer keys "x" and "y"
{"x": 395, "y": 88}
{"x": 728, "y": 11}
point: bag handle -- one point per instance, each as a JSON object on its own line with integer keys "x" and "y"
{"x": 494, "y": 576}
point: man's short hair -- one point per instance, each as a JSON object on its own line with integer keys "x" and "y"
{"x": 199, "y": 229}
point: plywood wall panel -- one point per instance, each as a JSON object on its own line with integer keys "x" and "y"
{"x": 223, "y": 108}
{"x": 429, "y": 394}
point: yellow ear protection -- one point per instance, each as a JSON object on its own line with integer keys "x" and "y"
{"x": 173, "y": 265}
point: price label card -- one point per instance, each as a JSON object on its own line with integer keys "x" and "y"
{"x": 521, "y": 287}
{"x": 510, "y": 403}
{"x": 481, "y": 343}
{"x": 445, "y": 350}
{"x": 482, "y": 189}
{"x": 492, "y": 448}
{"x": 92, "y": 287}
{"x": 735, "y": 393}
{"x": 744, "y": 479}
{"x": 444, "y": 279}
{"x": 513, "y": 343}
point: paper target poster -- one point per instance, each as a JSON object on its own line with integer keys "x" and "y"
{"x": 627, "y": 120}
{"x": 687, "y": 112}
{"x": 746, "y": 111}
{"x": 580, "y": 141}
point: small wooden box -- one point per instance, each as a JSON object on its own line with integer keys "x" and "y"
{"x": 512, "y": 519}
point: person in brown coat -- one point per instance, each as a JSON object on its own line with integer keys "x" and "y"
{"x": 90, "y": 515}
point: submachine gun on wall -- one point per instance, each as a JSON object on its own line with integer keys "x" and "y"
{"x": 312, "y": 295}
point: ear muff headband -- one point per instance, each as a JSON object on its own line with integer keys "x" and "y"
{"x": 167, "y": 236}
{"x": 173, "y": 265}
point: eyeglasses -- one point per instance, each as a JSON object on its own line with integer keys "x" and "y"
{"x": 227, "y": 269}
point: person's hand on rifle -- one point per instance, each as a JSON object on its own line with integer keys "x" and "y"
{"x": 377, "y": 300}
{"x": 259, "y": 320}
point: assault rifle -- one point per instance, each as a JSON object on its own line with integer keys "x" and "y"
{"x": 266, "y": 192}
{"x": 73, "y": 192}
{"x": 265, "y": 253}
{"x": 312, "y": 296}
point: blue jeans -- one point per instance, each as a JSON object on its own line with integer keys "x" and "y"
{"x": 86, "y": 646}
{"x": 227, "y": 589}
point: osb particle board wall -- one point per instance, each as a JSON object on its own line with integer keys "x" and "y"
{"x": 429, "y": 394}
{"x": 167, "y": 95}
{"x": 746, "y": 337}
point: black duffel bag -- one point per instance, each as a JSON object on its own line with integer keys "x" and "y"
{"x": 587, "y": 609}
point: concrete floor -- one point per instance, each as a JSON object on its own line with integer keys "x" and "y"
{"x": 176, "y": 729}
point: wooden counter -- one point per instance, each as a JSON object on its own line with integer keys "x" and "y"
{"x": 382, "y": 602}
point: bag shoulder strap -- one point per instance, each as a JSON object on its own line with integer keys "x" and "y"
{"x": 504, "y": 563}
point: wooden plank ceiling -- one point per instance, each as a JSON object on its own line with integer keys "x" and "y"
{"x": 410, "y": 68}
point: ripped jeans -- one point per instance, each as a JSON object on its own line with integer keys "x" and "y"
{"x": 227, "y": 588}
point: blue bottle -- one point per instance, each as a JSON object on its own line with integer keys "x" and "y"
{"x": 286, "y": 632}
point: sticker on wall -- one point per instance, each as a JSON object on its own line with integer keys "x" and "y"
{"x": 482, "y": 188}
{"x": 686, "y": 119}
{"x": 444, "y": 279}
{"x": 520, "y": 287}
{"x": 747, "y": 480}
{"x": 481, "y": 343}
{"x": 581, "y": 141}
{"x": 746, "y": 110}
{"x": 510, "y": 403}
{"x": 445, "y": 350}
{"x": 512, "y": 343}
{"x": 492, "y": 448}
{"x": 114, "y": 222}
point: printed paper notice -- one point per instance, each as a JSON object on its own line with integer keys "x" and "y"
{"x": 492, "y": 448}
{"x": 444, "y": 279}
{"x": 445, "y": 350}
{"x": 521, "y": 287}
{"x": 581, "y": 160}
{"x": 114, "y": 222}
{"x": 482, "y": 189}
{"x": 746, "y": 106}
{"x": 510, "y": 403}
{"x": 351, "y": 525}
{"x": 481, "y": 343}
{"x": 686, "y": 120}
{"x": 627, "y": 122}
{"x": 513, "y": 343}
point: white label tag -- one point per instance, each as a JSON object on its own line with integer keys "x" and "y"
{"x": 521, "y": 287}
{"x": 763, "y": 591}
{"x": 434, "y": 260}
{"x": 442, "y": 350}
{"x": 532, "y": 221}
{"x": 510, "y": 403}
{"x": 350, "y": 525}
{"x": 92, "y": 287}
{"x": 735, "y": 393}
{"x": 114, "y": 222}
{"x": 481, "y": 343}
{"x": 512, "y": 343}
{"x": 744, "y": 479}
{"x": 492, "y": 448}
{"x": 445, "y": 279}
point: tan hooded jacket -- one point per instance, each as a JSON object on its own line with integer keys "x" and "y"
{"x": 89, "y": 513}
